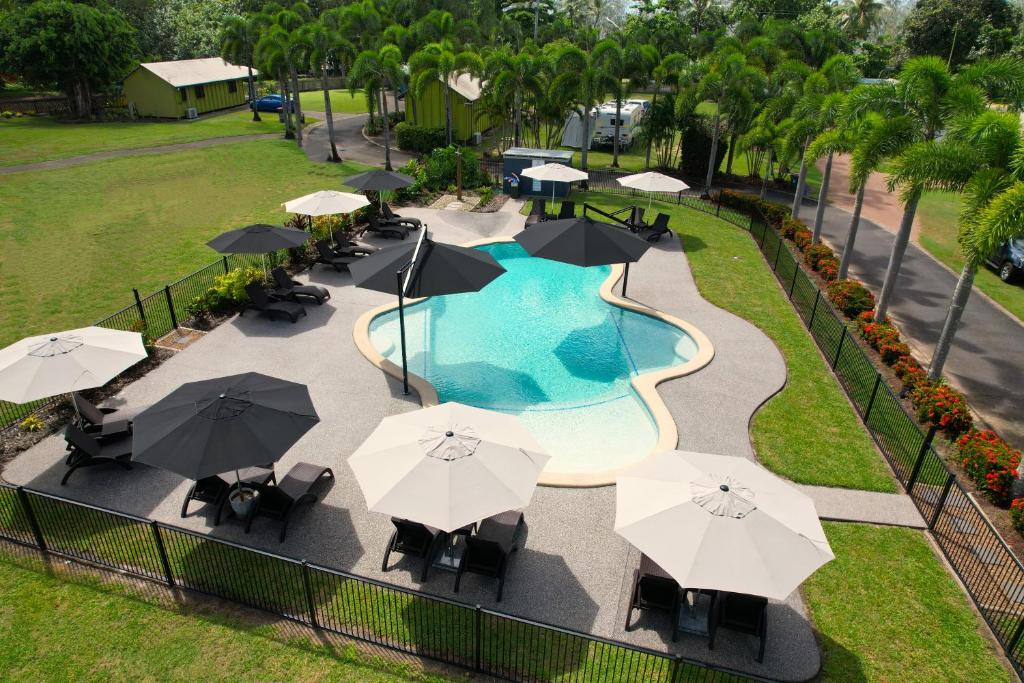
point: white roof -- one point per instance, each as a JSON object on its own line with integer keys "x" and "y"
{"x": 466, "y": 85}
{"x": 196, "y": 71}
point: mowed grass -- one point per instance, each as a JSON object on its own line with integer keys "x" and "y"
{"x": 74, "y": 241}
{"x": 342, "y": 102}
{"x": 939, "y": 213}
{"x": 42, "y": 138}
{"x": 886, "y": 610}
{"x": 87, "y": 631}
{"x": 808, "y": 432}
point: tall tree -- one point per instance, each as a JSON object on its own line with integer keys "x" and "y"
{"x": 375, "y": 70}
{"x": 623, "y": 64}
{"x": 580, "y": 74}
{"x": 440, "y": 62}
{"x": 326, "y": 47}
{"x": 238, "y": 41}
{"x": 861, "y": 16}
{"x": 285, "y": 40}
{"x": 511, "y": 77}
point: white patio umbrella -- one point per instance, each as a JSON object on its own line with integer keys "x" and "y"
{"x": 326, "y": 203}
{"x": 720, "y": 522}
{"x": 557, "y": 173}
{"x": 448, "y": 465}
{"x": 63, "y": 362}
{"x": 652, "y": 182}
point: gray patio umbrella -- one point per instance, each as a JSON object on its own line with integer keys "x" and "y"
{"x": 258, "y": 239}
{"x": 427, "y": 268}
{"x": 377, "y": 181}
{"x": 217, "y": 425}
{"x": 583, "y": 241}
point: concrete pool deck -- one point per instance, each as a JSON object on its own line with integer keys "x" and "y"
{"x": 572, "y": 570}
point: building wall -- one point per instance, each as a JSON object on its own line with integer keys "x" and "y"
{"x": 157, "y": 98}
{"x": 429, "y": 109}
{"x": 215, "y": 96}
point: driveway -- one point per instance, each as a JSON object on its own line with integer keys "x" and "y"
{"x": 348, "y": 136}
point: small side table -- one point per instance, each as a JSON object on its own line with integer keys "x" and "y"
{"x": 451, "y": 555}
{"x": 695, "y": 612}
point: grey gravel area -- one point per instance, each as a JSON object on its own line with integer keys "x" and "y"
{"x": 573, "y": 570}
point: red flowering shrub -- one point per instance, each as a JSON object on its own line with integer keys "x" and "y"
{"x": 990, "y": 463}
{"x": 892, "y": 352}
{"x": 815, "y": 254}
{"x": 909, "y": 371}
{"x": 1017, "y": 515}
{"x": 879, "y": 334}
{"x": 850, "y": 297}
{"x": 864, "y": 318}
{"x": 802, "y": 238}
{"x": 788, "y": 227}
{"x": 828, "y": 268}
{"x": 939, "y": 404}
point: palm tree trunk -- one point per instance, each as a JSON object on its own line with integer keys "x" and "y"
{"x": 956, "y": 311}
{"x": 298, "y": 107}
{"x": 447, "y": 112}
{"x": 801, "y": 183}
{"x": 252, "y": 94}
{"x": 732, "y": 148}
{"x": 615, "y": 142}
{"x": 387, "y": 132}
{"x": 650, "y": 138}
{"x": 394, "y": 97}
{"x": 286, "y": 109}
{"x": 330, "y": 118}
{"x": 714, "y": 153}
{"x": 851, "y": 235}
{"x": 517, "y": 136}
{"x": 585, "y": 143}
{"x": 899, "y": 248}
{"x": 819, "y": 215}
{"x": 767, "y": 174}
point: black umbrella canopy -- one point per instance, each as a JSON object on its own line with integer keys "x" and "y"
{"x": 258, "y": 239}
{"x": 582, "y": 242}
{"x": 218, "y": 425}
{"x": 440, "y": 269}
{"x": 378, "y": 180}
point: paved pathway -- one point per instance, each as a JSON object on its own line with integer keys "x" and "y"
{"x": 987, "y": 359}
{"x": 138, "y": 151}
{"x": 348, "y": 137}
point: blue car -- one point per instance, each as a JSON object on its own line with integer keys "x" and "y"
{"x": 1009, "y": 259}
{"x": 272, "y": 102}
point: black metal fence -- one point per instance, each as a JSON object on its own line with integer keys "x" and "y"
{"x": 406, "y": 620}
{"x": 993, "y": 575}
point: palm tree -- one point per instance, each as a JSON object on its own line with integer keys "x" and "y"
{"x": 583, "y": 76}
{"x": 622, "y": 63}
{"x": 929, "y": 98}
{"x": 375, "y": 70}
{"x": 285, "y": 40}
{"x": 665, "y": 72}
{"x": 511, "y": 76}
{"x": 974, "y": 158}
{"x": 238, "y": 41}
{"x": 439, "y": 62}
{"x": 326, "y": 48}
{"x": 860, "y": 16}
{"x": 827, "y": 120}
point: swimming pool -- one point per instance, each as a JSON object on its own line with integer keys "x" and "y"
{"x": 540, "y": 342}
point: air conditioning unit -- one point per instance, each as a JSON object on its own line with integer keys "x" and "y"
{"x": 191, "y": 113}
{"x": 477, "y": 137}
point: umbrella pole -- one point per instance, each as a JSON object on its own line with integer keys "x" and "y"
{"x": 625, "y": 280}
{"x": 552, "y": 197}
{"x": 401, "y": 327}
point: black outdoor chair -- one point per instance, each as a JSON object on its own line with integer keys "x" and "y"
{"x": 216, "y": 489}
{"x": 636, "y": 219}
{"x": 741, "y": 613}
{"x": 567, "y": 210}
{"x": 261, "y": 301}
{"x": 87, "y": 451}
{"x": 407, "y": 221}
{"x": 653, "y": 589}
{"x": 658, "y": 228}
{"x": 290, "y": 289}
{"x": 385, "y": 228}
{"x": 343, "y": 246}
{"x": 413, "y": 538}
{"x": 104, "y": 421}
{"x": 327, "y": 257}
{"x": 536, "y": 212}
{"x": 280, "y": 501}
{"x": 489, "y": 549}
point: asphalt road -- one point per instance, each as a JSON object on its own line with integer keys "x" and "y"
{"x": 348, "y": 137}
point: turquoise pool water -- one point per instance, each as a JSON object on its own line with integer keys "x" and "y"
{"x": 540, "y": 342}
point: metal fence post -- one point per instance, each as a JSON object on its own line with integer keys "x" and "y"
{"x": 923, "y": 451}
{"x": 478, "y": 617}
{"x": 677, "y": 664}
{"x": 796, "y": 271}
{"x": 1014, "y": 638}
{"x": 814, "y": 311}
{"x": 162, "y": 552}
{"x": 138, "y": 305}
{"x": 775, "y": 263}
{"x": 871, "y": 401}
{"x": 33, "y": 524}
{"x": 170, "y": 305}
{"x": 225, "y": 260}
{"x": 310, "y": 605}
{"x": 718, "y": 206}
{"x": 839, "y": 348}
{"x": 942, "y": 501}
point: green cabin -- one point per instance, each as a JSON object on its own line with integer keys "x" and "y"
{"x": 427, "y": 109}
{"x": 186, "y": 88}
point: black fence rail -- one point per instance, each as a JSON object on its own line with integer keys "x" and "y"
{"x": 402, "y": 619}
{"x": 993, "y": 575}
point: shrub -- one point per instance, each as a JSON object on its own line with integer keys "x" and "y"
{"x": 815, "y": 254}
{"x": 696, "y": 146}
{"x": 32, "y": 424}
{"x": 486, "y": 195}
{"x": 991, "y": 463}
{"x": 909, "y": 371}
{"x": 198, "y": 311}
{"x": 789, "y": 226}
{"x": 878, "y": 334}
{"x": 850, "y": 297}
{"x": 828, "y": 268}
{"x": 941, "y": 405}
{"x": 802, "y": 238}
{"x": 420, "y": 139}
{"x": 7, "y": 114}
{"x": 228, "y": 291}
{"x": 440, "y": 168}
{"x": 1017, "y": 515}
{"x": 148, "y": 341}
{"x": 776, "y": 214}
{"x": 891, "y": 352}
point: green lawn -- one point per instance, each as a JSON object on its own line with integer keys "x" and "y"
{"x": 808, "y": 432}
{"x": 42, "y": 138}
{"x": 886, "y": 610}
{"x": 939, "y": 216}
{"x": 342, "y": 102}
{"x": 74, "y": 241}
{"x": 87, "y": 631}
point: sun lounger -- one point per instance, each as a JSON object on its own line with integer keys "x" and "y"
{"x": 327, "y": 257}
{"x": 536, "y": 213}
{"x": 413, "y": 538}
{"x": 658, "y": 228}
{"x": 216, "y": 489}
{"x": 741, "y": 613}
{"x": 386, "y": 228}
{"x": 87, "y": 451}
{"x": 261, "y": 301}
{"x": 280, "y": 501}
{"x": 489, "y": 549}
{"x": 343, "y": 246}
{"x": 389, "y": 215}
{"x": 653, "y": 589}
{"x": 290, "y": 289}
{"x": 104, "y": 421}
{"x": 567, "y": 210}
{"x": 636, "y": 219}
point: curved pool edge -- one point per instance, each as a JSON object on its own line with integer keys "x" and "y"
{"x": 645, "y": 385}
